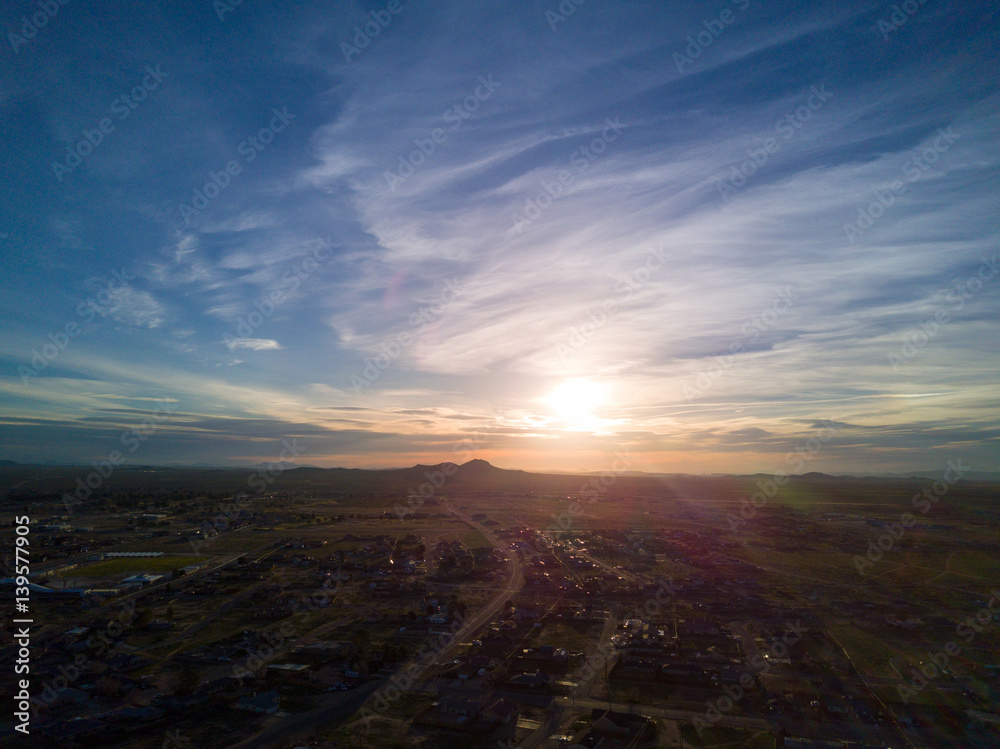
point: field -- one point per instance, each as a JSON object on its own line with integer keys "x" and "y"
{"x": 130, "y": 566}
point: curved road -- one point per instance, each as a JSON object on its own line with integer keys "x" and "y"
{"x": 341, "y": 705}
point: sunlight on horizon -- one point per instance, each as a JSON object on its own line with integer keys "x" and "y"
{"x": 574, "y": 403}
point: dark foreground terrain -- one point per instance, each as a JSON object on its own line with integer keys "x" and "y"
{"x": 470, "y": 606}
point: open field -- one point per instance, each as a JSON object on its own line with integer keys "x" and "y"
{"x": 131, "y": 565}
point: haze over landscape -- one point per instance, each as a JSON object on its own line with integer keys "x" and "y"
{"x": 697, "y": 235}
{"x": 550, "y": 374}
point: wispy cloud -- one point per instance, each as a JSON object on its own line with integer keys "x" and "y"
{"x": 254, "y": 344}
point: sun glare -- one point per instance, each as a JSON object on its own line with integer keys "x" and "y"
{"x": 575, "y": 401}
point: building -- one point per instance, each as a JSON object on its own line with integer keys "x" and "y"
{"x": 140, "y": 581}
{"x": 265, "y": 702}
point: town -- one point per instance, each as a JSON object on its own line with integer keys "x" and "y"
{"x": 632, "y": 615}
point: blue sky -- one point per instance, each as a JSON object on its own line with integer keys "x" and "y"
{"x": 691, "y": 235}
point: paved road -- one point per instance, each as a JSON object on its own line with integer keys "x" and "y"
{"x": 485, "y": 614}
{"x": 560, "y": 715}
{"x": 339, "y": 705}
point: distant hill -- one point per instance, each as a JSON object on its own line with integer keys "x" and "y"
{"x": 969, "y": 476}
{"x": 475, "y": 476}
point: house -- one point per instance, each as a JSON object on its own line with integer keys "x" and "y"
{"x": 477, "y": 662}
{"x": 476, "y": 715}
{"x": 500, "y": 712}
{"x": 289, "y": 668}
{"x": 126, "y": 662}
{"x": 329, "y": 675}
{"x": 139, "y": 581}
{"x": 218, "y": 685}
{"x": 265, "y": 702}
{"x": 839, "y": 706}
{"x": 456, "y": 704}
{"x": 612, "y": 729}
{"x": 536, "y": 680}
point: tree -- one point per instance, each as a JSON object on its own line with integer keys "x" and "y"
{"x": 362, "y": 640}
{"x": 187, "y": 680}
{"x": 108, "y": 686}
{"x": 143, "y": 617}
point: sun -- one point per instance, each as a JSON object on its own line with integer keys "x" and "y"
{"x": 574, "y": 402}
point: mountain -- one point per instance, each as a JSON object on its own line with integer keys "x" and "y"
{"x": 442, "y": 479}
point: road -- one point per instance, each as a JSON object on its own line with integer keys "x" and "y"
{"x": 621, "y": 574}
{"x": 488, "y": 611}
{"x": 339, "y": 705}
{"x": 604, "y": 645}
{"x": 735, "y": 721}
{"x": 335, "y": 706}
{"x": 559, "y": 715}
{"x": 751, "y": 651}
{"x": 119, "y": 602}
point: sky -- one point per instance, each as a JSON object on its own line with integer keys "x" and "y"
{"x": 727, "y": 236}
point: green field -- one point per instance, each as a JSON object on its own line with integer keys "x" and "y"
{"x": 130, "y": 566}
{"x": 474, "y": 539}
